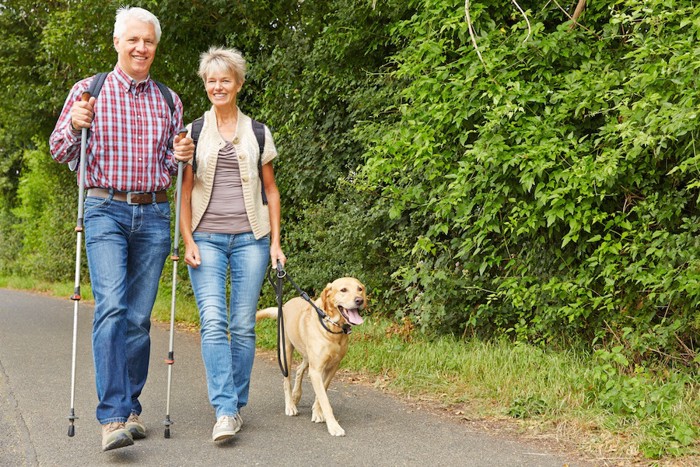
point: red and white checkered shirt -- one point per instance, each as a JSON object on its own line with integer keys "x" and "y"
{"x": 132, "y": 129}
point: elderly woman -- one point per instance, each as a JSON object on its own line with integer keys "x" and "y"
{"x": 228, "y": 228}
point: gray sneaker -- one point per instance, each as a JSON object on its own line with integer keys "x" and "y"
{"x": 225, "y": 427}
{"x": 115, "y": 435}
{"x": 136, "y": 427}
{"x": 239, "y": 420}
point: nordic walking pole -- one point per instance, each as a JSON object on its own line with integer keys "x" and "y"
{"x": 76, "y": 291}
{"x": 175, "y": 257}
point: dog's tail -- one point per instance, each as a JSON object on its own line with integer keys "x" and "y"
{"x": 266, "y": 313}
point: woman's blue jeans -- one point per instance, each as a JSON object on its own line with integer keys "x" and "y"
{"x": 228, "y": 333}
{"x": 126, "y": 249}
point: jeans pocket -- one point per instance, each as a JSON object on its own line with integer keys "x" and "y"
{"x": 201, "y": 236}
{"x": 162, "y": 209}
{"x": 93, "y": 202}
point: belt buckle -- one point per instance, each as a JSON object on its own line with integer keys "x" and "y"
{"x": 134, "y": 194}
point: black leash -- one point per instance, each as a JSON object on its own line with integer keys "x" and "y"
{"x": 322, "y": 316}
{"x": 281, "y": 344}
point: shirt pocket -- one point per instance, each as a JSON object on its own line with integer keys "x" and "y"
{"x": 162, "y": 130}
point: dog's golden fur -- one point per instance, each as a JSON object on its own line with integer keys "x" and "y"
{"x": 322, "y": 351}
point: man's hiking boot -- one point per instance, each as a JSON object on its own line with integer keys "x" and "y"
{"x": 115, "y": 435}
{"x": 136, "y": 427}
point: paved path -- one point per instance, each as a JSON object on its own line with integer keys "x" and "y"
{"x": 35, "y": 348}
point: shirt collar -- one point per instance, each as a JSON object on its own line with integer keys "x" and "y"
{"x": 128, "y": 83}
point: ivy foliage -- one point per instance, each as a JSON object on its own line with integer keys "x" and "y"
{"x": 553, "y": 185}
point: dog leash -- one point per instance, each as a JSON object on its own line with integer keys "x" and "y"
{"x": 281, "y": 344}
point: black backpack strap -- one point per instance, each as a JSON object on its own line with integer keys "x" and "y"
{"x": 259, "y": 130}
{"x": 195, "y": 131}
{"x": 96, "y": 84}
{"x": 167, "y": 95}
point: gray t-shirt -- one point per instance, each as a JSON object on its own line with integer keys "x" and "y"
{"x": 226, "y": 210}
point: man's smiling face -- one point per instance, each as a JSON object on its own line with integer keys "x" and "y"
{"x": 136, "y": 49}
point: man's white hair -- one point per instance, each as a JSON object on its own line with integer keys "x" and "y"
{"x": 126, "y": 13}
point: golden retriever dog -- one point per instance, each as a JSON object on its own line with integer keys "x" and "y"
{"x": 321, "y": 344}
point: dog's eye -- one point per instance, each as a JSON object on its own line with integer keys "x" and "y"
{"x": 344, "y": 289}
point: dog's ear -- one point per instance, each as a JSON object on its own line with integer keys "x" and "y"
{"x": 326, "y": 296}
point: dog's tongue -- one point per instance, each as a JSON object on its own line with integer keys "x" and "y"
{"x": 353, "y": 317}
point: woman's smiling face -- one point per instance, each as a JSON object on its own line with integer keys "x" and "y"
{"x": 222, "y": 88}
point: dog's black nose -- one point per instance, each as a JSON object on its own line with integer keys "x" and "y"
{"x": 359, "y": 301}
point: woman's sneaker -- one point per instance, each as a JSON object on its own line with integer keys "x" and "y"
{"x": 115, "y": 435}
{"x": 225, "y": 427}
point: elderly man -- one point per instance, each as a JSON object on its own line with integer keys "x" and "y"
{"x": 132, "y": 153}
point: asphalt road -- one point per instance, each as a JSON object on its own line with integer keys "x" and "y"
{"x": 35, "y": 365}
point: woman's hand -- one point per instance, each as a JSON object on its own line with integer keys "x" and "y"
{"x": 276, "y": 254}
{"x": 192, "y": 257}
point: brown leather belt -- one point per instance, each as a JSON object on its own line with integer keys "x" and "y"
{"x": 131, "y": 197}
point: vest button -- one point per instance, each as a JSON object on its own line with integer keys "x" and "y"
{"x": 235, "y": 140}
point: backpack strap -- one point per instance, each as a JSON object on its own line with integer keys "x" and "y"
{"x": 194, "y": 134}
{"x": 96, "y": 84}
{"x": 167, "y": 95}
{"x": 259, "y": 130}
{"x": 168, "y": 100}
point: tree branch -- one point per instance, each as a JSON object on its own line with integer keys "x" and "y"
{"x": 527, "y": 20}
{"x": 577, "y": 12}
{"x": 471, "y": 31}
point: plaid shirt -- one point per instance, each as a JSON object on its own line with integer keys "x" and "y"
{"x": 129, "y": 145}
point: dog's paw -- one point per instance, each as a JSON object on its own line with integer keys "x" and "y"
{"x": 335, "y": 430}
{"x": 317, "y": 415}
{"x": 291, "y": 410}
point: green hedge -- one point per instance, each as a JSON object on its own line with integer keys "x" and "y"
{"x": 546, "y": 191}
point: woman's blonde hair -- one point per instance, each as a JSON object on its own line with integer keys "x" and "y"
{"x": 222, "y": 60}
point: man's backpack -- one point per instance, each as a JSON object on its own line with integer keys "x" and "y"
{"x": 94, "y": 91}
{"x": 258, "y": 129}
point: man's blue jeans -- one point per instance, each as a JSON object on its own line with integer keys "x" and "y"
{"x": 228, "y": 333}
{"x": 126, "y": 249}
